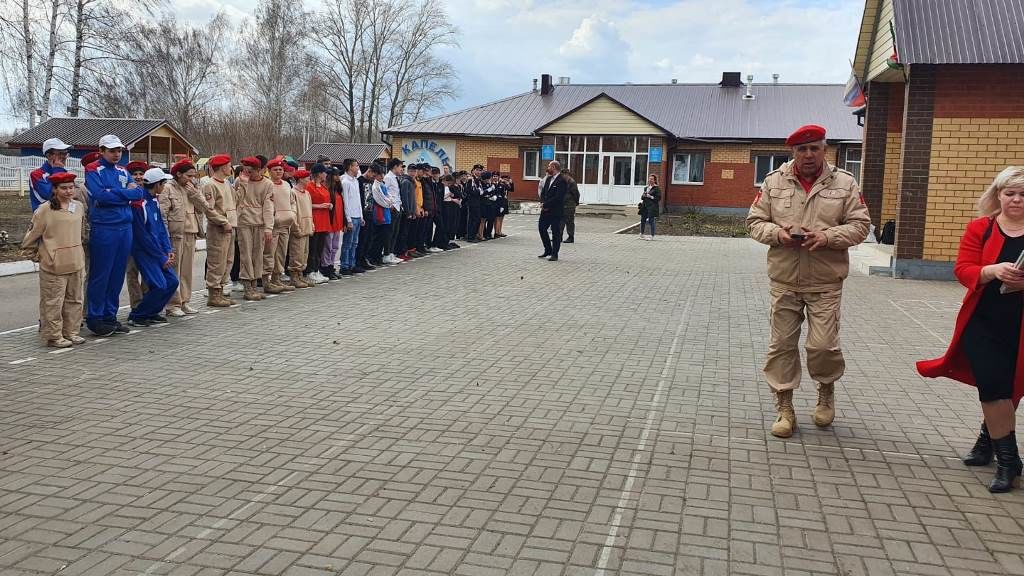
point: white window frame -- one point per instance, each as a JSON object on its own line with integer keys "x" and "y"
{"x": 859, "y": 162}
{"x": 689, "y": 162}
{"x": 773, "y": 156}
{"x": 535, "y": 153}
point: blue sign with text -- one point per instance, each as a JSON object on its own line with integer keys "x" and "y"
{"x": 547, "y": 152}
{"x": 654, "y": 154}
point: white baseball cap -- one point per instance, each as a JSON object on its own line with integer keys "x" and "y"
{"x": 154, "y": 175}
{"x": 110, "y": 142}
{"x": 54, "y": 144}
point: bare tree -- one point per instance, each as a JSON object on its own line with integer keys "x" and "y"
{"x": 267, "y": 54}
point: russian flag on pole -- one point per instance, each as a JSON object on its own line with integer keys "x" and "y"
{"x": 854, "y": 95}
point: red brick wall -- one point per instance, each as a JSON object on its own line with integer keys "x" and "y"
{"x": 737, "y": 192}
{"x": 524, "y": 189}
{"x": 897, "y": 94}
{"x": 980, "y": 91}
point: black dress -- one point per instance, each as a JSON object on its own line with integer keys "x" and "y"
{"x": 992, "y": 336}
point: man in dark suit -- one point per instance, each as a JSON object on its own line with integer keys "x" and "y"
{"x": 552, "y": 196}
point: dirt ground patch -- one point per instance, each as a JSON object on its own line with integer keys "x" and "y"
{"x": 696, "y": 223}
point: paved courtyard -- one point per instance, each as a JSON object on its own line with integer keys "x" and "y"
{"x": 484, "y": 412}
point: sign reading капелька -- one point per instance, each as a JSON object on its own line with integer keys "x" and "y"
{"x": 429, "y": 151}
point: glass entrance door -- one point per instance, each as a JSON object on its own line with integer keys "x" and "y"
{"x": 617, "y": 179}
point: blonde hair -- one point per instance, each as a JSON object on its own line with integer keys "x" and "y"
{"x": 1010, "y": 177}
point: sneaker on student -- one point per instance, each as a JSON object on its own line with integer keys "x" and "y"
{"x": 139, "y": 322}
{"x": 174, "y": 312}
{"x": 157, "y": 319}
{"x": 188, "y": 309}
{"x": 76, "y": 339}
{"x": 434, "y": 249}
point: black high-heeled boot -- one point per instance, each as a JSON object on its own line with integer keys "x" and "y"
{"x": 982, "y": 452}
{"x": 1008, "y": 464}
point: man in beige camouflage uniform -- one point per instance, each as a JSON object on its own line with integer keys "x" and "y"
{"x": 809, "y": 213}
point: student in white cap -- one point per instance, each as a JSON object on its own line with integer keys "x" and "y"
{"x": 111, "y": 190}
{"x": 152, "y": 252}
{"x": 40, "y": 187}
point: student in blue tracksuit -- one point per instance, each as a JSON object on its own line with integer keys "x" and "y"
{"x": 111, "y": 190}
{"x": 152, "y": 252}
{"x": 40, "y": 188}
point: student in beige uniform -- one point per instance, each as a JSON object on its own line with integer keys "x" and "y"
{"x": 298, "y": 239}
{"x": 809, "y": 213}
{"x": 284, "y": 220}
{"x": 132, "y": 278}
{"x": 185, "y": 190}
{"x": 172, "y": 208}
{"x": 255, "y": 205}
{"x": 55, "y": 241}
{"x": 218, "y": 205}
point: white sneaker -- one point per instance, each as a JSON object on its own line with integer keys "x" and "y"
{"x": 188, "y": 309}
{"x": 237, "y": 287}
{"x": 650, "y": 238}
{"x": 175, "y": 312}
{"x": 434, "y": 249}
{"x": 321, "y": 279}
{"x": 643, "y": 236}
{"x": 226, "y": 290}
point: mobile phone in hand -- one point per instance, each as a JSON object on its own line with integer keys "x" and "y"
{"x": 798, "y": 237}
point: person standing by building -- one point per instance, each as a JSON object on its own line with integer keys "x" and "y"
{"x": 184, "y": 190}
{"x": 572, "y": 200}
{"x": 152, "y": 251}
{"x": 407, "y": 231}
{"x": 255, "y": 224}
{"x": 451, "y": 204}
{"x": 111, "y": 190}
{"x": 474, "y": 193}
{"x": 392, "y": 189}
{"x": 132, "y": 279}
{"x": 368, "y": 230}
{"x": 218, "y": 205}
{"x": 552, "y": 197}
{"x": 651, "y": 200}
{"x": 40, "y": 188}
{"x": 285, "y": 210}
{"x": 321, "y": 200}
{"x": 353, "y": 216}
{"x": 298, "y": 240}
{"x": 54, "y": 240}
{"x": 809, "y": 213}
{"x": 985, "y": 351}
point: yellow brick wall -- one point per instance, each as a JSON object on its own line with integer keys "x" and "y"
{"x": 740, "y": 153}
{"x": 967, "y": 153}
{"x": 891, "y": 178}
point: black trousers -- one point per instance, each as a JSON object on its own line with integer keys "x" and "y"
{"x": 426, "y": 230}
{"x": 472, "y": 221}
{"x": 378, "y": 240}
{"x": 451, "y": 220}
{"x": 316, "y": 248}
{"x": 391, "y": 241}
{"x": 570, "y": 222}
{"x": 406, "y": 235}
{"x": 236, "y": 265}
{"x": 463, "y": 220}
{"x": 553, "y": 242}
{"x": 441, "y": 238}
{"x": 365, "y": 238}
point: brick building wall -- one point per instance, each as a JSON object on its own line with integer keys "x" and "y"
{"x": 978, "y": 129}
{"x": 728, "y": 176}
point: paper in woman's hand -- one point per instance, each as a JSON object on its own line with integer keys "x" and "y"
{"x": 1019, "y": 265}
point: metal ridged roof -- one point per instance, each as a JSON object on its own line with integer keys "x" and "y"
{"x": 699, "y": 111}
{"x": 960, "y": 31}
{"x": 363, "y": 153}
{"x": 86, "y": 132}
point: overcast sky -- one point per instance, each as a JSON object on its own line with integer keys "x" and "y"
{"x": 507, "y": 43}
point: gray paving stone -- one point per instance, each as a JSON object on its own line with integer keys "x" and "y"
{"x": 507, "y": 416}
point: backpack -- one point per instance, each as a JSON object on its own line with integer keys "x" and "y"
{"x": 888, "y": 233}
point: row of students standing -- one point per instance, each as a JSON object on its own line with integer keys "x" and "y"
{"x": 285, "y": 228}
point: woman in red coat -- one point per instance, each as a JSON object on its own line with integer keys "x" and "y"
{"x": 986, "y": 348}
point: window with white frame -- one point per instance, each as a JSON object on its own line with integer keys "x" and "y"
{"x": 765, "y": 163}
{"x": 853, "y": 159}
{"x": 531, "y": 164}
{"x": 688, "y": 168}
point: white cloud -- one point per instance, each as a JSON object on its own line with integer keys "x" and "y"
{"x": 596, "y": 52}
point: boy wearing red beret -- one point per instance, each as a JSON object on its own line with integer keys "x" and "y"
{"x": 255, "y": 205}
{"x": 219, "y": 207}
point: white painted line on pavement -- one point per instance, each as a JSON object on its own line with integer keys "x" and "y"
{"x": 918, "y": 322}
{"x": 638, "y": 453}
{"x": 22, "y": 360}
{"x": 621, "y": 230}
{"x": 218, "y": 524}
{"x": 22, "y": 329}
{"x": 61, "y": 350}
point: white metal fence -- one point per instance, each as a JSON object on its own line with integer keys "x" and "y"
{"x": 15, "y": 170}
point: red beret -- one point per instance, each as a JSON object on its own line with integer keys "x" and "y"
{"x": 90, "y": 158}
{"x": 137, "y": 166}
{"x": 301, "y": 173}
{"x": 251, "y": 162}
{"x": 288, "y": 168}
{"x": 219, "y": 160}
{"x": 805, "y": 134}
{"x": 62, "y": 177}
{"x": 182, "y": 166}
{"x": 275, "y": 163}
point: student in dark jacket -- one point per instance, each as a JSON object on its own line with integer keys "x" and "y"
{"x": 367, "y": 232}
{"x": 152, "y": 252}
{"x": 552, "y": 196}
{"x": 474, "y": 191}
